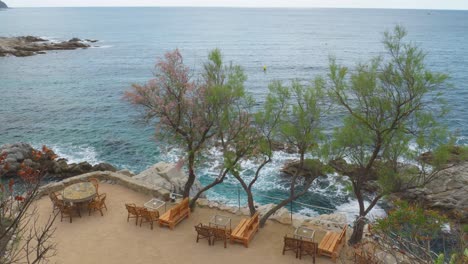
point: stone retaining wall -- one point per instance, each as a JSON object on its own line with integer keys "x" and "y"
{"x": 117, "y": 178}
{"x": 332, "y": 222}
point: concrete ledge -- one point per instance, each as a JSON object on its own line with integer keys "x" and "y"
{"x": 119, "y": 179}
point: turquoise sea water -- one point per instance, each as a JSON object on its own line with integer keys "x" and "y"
{"x": 72, "y": 100}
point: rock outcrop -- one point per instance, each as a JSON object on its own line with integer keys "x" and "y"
{"x": 447, "y": 193}
{"x": 30, "y": 45}
{"x": 312, "y": 168}
{"x": 3, "y": 5}
{"x": 18, "y": 153}
{"x": 166, "y": 176}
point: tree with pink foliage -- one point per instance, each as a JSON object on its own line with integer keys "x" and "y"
{"x": 190, "y": 114}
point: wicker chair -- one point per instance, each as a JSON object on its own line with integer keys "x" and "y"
{"x": 95, "y": 182}
{"x": 98, "y": 204}
{"x": 220, "y": 234}
{"x": 147, "y": 216}
{"x": 133, "y": 212}
{"x": 292, "y": 244}
{"x": 308, "y": 248}
{"x": 56, "y": 201}
{"x": 203, "y": 232}
{"x": 67, "y": 211}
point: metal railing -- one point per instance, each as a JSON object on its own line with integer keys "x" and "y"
{"x": 275, "y": 200}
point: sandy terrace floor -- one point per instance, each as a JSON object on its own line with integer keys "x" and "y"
{"x": 110, "y": 239}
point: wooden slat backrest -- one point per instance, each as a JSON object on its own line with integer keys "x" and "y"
{"x": 239, "y": 230}
{"x": 329, "y": 241}
{"x": 184, "y": 204}
{"x": 174, "y": 212}
{"x": 249, "y": 225}
{"x": 342, "y": 235}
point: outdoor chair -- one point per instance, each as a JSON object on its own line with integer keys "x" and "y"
{"x": 133, "y": 212}
{"x": 308, "y": 248}
{"x": 66, "y": 211}
{"x": 148, "y": 216}
{"x": 203, "y": 232}
{"x": 95, "y": 182}
{"x": 291, "y": 244}
{"x": 98, "y": 203}
{"x": 220, "y": 234}
{"x": 55, "y": 200}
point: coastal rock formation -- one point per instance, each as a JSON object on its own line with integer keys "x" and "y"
{"x": 448, "y": 192}
{"x": 30, "y": 45}
{"x": 311, "y": 168}
{"x": 18, "y": 153}
{"x": 167, "y": 176}
{"x": 3, "y": 5}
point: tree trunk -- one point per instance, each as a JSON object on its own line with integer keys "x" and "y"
{"x": 274, "y": 209}
{"x": 358, "y": 231}
{"x": 250, "y": 202}
{"x": 191, "y": 176}
{"x": 285, "y": 202}
{"x": 204, "y": 189}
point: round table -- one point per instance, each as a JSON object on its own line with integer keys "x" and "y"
{"x": 79, "y": 192}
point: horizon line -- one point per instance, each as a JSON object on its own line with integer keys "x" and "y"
{"x": 250, "y": 7}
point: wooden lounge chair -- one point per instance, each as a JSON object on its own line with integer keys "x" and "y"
{"x": 220, "y": 234}
{"x": 291, "y": 244}
{"x": 176, "y": 214}
{"x": 133, "y": 212}
{"x": 308, "y": 248}
{"x": 67, "y": 211}
{"x": 147, "y": 216}
{"x": 95, "y": 182}
{"x": 203, "y": 232}
{"x": 330, "y": 244}
{"x": 98, "y": 204}
{"x": 245, "y": 230}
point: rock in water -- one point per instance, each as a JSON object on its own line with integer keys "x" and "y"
{"x": 30, "y": 45}
{"x": 166, "y": 175}
{"x": 3, "y": 5}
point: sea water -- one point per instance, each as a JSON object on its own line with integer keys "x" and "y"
{"x": 72, "y": 101}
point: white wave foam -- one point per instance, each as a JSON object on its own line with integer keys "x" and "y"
{"x": 351, "y": 209}
{"x": 101, "y": 47}
{"x": 73, "y": 153}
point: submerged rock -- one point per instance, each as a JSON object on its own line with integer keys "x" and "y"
{"x": 312, "y": 168}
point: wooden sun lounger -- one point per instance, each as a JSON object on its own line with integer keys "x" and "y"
{"x": 176, "y": 214}
{"x": 330, "y": 244}
{"x": 245, "y": 230}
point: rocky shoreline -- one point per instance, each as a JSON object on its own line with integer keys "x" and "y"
{"x": 30, "y": 45}
{"x": 18, "y": 153}
{"x": 447, "y": 193}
